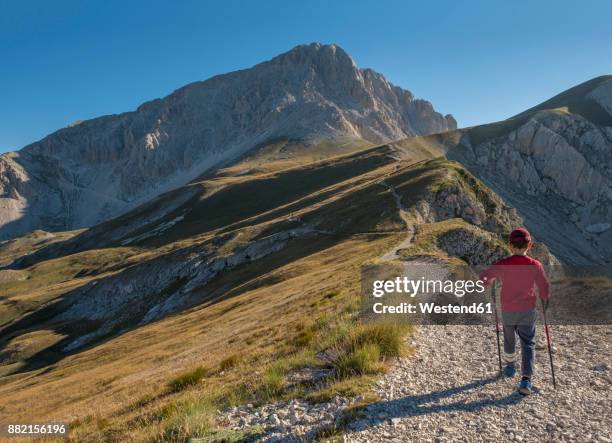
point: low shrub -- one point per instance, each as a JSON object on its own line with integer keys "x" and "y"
{"x": 194, "y": 418}
{"x": 187, "y": 379}
{"x": 359, "y": 361}
{"x": 304, "y": 338}
{"x": 363, "y": 349}
{"x": 229, "y": 362}
{"x": 332, "y": 294}
{"x": 271, "y": 385}
{"x": 388, "y": 337}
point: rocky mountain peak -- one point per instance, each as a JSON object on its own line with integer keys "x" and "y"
{"x": 317, "y": 55}
{"x": 100, "y": 168}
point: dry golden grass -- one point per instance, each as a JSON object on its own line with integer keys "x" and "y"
{"x": 102, "y": 380}
{"x": 12, "y": 249}
{"x": 285, "y": 154}
{"x": 144, "y": 383}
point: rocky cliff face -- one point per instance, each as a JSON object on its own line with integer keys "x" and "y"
{"x": 557, "y": 153}
{"x": 555, "y": 166}
{"x": 98, "y": 169}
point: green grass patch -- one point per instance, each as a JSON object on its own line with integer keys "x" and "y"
{"x": 102, "y": 423}
{"x": 388, "y": 337}
{"x": 363, "y": 350}
{"x": 304, "y": 338}
{"x": 239, "y": 436}
{"x": 328, "y": 433}
{"x": 362, "y": 360}
{"x": 187, "y": 379}
{"x": 271, "y": 385}
{"x": 427, "y": 237}
{"x": 192, "y": 418}
{"x": 230, "y": 362}
{"x": 332, "y": 294}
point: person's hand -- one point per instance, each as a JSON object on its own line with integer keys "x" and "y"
{"x": 545, "y": 303}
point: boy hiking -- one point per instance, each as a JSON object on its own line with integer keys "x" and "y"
{"x": 519, "y": 276}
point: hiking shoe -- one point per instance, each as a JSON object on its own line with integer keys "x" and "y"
{"x": 525, "y": 387}
{"x": 509, "y": 371}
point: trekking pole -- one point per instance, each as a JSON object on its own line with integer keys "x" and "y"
{"x": 496, "y": 326}
{"x": 548, "y": 342}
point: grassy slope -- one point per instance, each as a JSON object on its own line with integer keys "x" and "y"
{"x": 117, "y": 389}
{"x": 256, "y": 307}
{"x": 12, "y": 249}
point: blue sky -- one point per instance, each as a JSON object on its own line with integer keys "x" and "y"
{"x": 482, "y": 61}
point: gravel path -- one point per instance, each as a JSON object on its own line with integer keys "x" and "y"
{"x": 449, "y": 391}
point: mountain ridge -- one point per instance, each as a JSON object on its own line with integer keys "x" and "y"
{"x": 585, "y": 100}
{"x": 97, "y": 169}
{"x": 552, "y": 162}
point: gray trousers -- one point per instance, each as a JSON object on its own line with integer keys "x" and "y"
{"x": 522, "y": 324}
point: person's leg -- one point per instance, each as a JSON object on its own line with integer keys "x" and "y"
{"x": 509, "y": 355}
{"x": 526, "y": 333}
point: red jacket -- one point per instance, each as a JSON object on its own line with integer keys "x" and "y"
{"x": 519, "y": 276}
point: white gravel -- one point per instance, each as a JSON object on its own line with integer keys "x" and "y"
{"x": 448, "y": 391}
{"x": 294, "y": 420}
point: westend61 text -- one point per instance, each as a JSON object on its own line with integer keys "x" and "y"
{"x": 432, "y": 308}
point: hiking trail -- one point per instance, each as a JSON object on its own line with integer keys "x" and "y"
{"x": 449, "y": 390}
{"x": 403, "y": 213}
